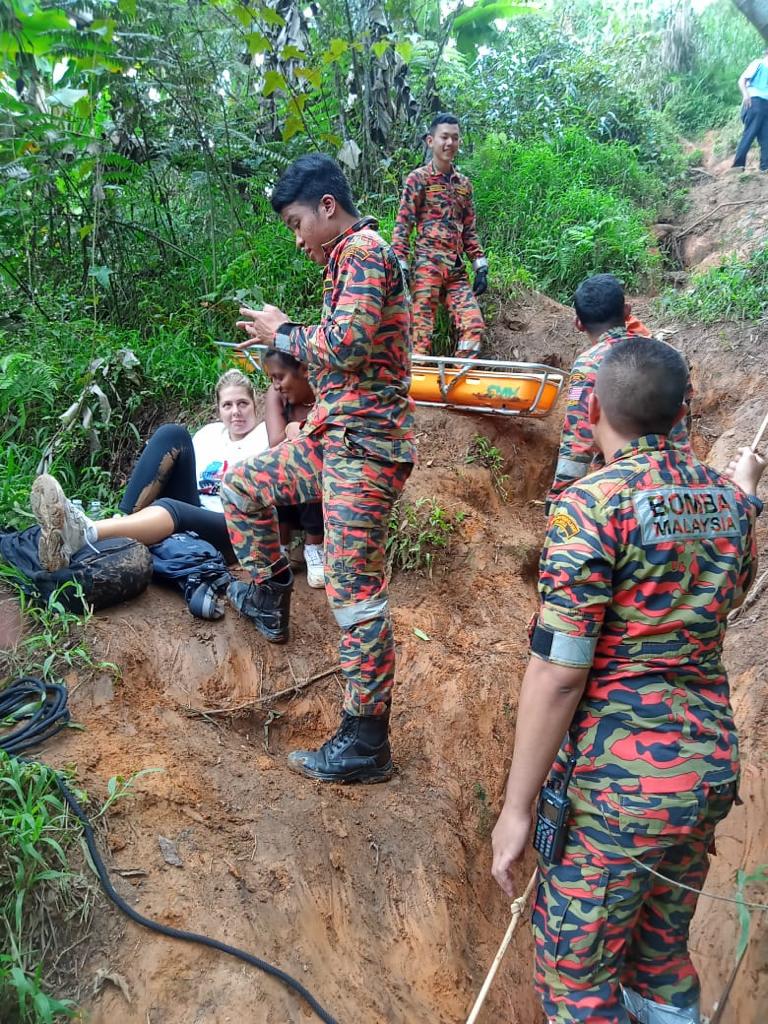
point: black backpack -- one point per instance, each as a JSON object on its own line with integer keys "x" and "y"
{"x": 109, "y": 572}
{"x": 196, "y": 568}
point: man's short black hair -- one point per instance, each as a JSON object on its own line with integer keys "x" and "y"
{"x": 310, "y": 178}
{"x": 439, "y": 119}
{"x": 641, "y": 384}
{"x": 599, "y": 301}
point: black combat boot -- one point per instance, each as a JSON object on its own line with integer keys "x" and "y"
{"x": 267, "y": 605}
{"x": 359, "y": 752}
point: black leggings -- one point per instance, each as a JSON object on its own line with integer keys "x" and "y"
{"x": 166, "y": 475}
{"x": 166, "y": 469}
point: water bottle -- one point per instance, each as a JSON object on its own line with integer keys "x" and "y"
{"x": 78, "y": 504}
{"x": 94, "y": 510}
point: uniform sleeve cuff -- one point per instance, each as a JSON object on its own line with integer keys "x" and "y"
{"x": 563, "y": 648}
{"x": 283, "y": 336}
{"x": 480, "y": 264}
{"x": 754, "y": 500}
{"x": 571, "y": 469}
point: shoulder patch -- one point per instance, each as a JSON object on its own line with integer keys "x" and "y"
{"x": 360, "y": 247}
{"x": 565, "y": 525}
{"x": 577, "y": 378}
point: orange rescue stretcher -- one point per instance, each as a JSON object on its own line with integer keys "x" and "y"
{"x": 493, "y": 386}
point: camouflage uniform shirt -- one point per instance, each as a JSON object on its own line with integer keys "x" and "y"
{"x": 577, "y": 455}
{"x": 642, "y": 563}
{"x": 441, "y": 208}
{"x": 359, "y": 356}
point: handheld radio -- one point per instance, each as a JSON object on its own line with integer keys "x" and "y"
{"x": 552, "y": 811}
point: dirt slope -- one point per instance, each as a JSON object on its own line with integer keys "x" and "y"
{"x": 379, "y": 899}
{"x": 728, "y": 211}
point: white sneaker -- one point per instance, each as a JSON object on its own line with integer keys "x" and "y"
{"x": 64, "y": 528}
{"x": 313, "y": 556}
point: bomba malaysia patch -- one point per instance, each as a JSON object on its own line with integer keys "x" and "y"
{"x": 574, "y": 384}
{"x": 683, "y": 513}
{"x": 566, "y": 525}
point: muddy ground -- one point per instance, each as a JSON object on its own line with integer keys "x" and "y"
{"x": 379, "y": 899}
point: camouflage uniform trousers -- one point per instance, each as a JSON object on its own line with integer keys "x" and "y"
{"x": 602, "y": 923}
{"x": 433, "y": 283}
{"x": 358, "y": 493}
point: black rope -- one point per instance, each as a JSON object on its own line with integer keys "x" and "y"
{"x": 17, "y": 702}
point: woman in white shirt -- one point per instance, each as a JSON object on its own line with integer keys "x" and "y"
{"x": 174, "y": 487}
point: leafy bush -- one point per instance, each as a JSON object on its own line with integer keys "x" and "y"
{"x": 736, "y": 290}
{"x": 71, "y": 392}
{"x": 550, "y": 77}
{"x": 706, "y": 95}
{"x": 566, "y": 209}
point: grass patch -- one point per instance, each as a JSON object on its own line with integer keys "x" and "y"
{"x": 483, "y": 453}
{"x": 736, "y": 290}
{"x": 53, "y": 640}
{"x": 42, "y": 898}
{"x": 45, "y": 901}
{"x": 418, "y": 532}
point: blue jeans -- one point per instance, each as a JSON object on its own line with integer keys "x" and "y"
{"x": 755, "y": 119}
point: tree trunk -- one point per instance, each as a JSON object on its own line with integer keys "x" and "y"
{"x": 756, "y": 12}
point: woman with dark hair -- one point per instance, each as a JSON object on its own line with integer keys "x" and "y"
{"x": 289, "y": 401}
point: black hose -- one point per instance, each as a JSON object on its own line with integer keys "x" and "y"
{"x": 50, "y": 717}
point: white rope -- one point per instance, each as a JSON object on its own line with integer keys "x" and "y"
{"x": 759, "y": 434}
{"x": 671, "y": 881}
{"x": 699, "y": 892}
{"x": 517, "y": 908}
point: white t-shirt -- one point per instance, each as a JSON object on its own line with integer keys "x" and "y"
{"x": 216, "y": 452}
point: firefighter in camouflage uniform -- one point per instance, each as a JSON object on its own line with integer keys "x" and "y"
{"x": 643, "y": 561}
{"x": 603, "y": 314}
{"x": 437, "y": 201}
{"x": 355, "y": 451}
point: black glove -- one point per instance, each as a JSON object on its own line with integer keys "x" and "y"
{"x": 481, "y": 281}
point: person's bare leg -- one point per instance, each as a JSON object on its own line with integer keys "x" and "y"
{"x": 150, "y": 526}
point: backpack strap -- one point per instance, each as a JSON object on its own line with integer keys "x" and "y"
{"x": 203, "y": 590}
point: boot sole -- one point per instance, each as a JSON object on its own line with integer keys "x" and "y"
{"x": 48, "y": 510}
{"x": 383, "y": 775}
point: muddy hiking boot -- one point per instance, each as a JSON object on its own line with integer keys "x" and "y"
{"x": 358, "y": 752}
{"x": 267, "y": 605}
{"x": 64, "y": 528}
